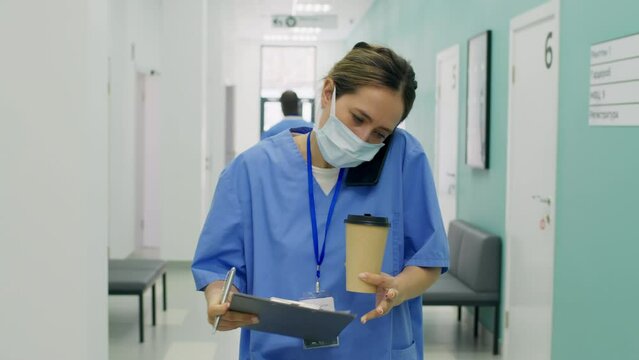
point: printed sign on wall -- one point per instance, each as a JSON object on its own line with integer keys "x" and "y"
{"x": 614, "y": 82}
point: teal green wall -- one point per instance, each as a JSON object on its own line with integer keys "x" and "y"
{"x": 596, "y": 291}
{"x": 596, "y": 266}
{"x": 418, "y": 30}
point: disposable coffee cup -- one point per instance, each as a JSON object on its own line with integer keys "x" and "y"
{"x": 365, "y": 243}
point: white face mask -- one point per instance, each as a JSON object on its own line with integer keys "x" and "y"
{"x": 339, "y": 146}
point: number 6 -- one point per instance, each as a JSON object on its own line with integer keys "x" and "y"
{"x": 548, "y": 54}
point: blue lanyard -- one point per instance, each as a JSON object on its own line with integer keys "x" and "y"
{"x": 319, "y": 256}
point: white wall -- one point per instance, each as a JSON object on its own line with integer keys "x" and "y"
{"x": 147, "y": 26}
{"x": 132, "y": 24}
{"x": 246, "y": 79}
{"x": 151, "y": 163}
{"x": 174, "y": 38}
{"x": 122, "y": 195}
{"x": 182, "y": 114}
{"x": 53, "y": 193}
{"x": 218, "y": 37}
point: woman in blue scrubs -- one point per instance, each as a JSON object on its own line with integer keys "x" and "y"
{"x": 279, "y": 208}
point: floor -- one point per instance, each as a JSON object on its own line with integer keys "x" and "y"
{"x": 183, "y": 333}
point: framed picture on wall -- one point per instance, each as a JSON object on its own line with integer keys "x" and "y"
{"x": 478, "y": 101}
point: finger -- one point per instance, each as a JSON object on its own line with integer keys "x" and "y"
{"x": 235, "y": 319}
{"x": 391, "y": 294}
{"x": 373, "y": 314}
{"x": 250, "y": 321}
{"x": 235, "y": 324}
{"x": 227, "y": 326}
{"x": 239, "y": 317}
{"x": 376, "y": 279}
{"x": 217, "y": 309}
{"x": 232, "y": 316}
{"x": 216, "y": 296}
{"x": 240, "y": 321}
{"x": 382, "y": 309}
{"x": 230, "y": 325}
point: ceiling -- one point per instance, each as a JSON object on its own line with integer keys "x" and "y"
{"x": 253, "y": 19}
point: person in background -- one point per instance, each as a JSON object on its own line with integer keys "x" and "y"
{"x": 272, "y": 210}
{"x": 292, "y": 118}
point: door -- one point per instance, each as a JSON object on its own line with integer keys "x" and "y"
{"x": 447, "y": 123}
{"x": 147, "y": 161}
{"x": 531, "y": 173}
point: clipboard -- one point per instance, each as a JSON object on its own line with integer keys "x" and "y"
{"x": 291, "y": 319}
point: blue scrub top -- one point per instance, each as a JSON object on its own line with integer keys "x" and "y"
{"x": 288, "y": 122}
{"x": 259, "y": 222}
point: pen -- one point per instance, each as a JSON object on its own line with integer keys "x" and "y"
{"x": 228, "y": 281}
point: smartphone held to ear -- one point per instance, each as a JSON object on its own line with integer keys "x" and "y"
{"x": 368, "y": 172}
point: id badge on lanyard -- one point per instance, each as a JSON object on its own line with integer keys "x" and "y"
{"x": 319, "y": 298}
{"x": 324, "y": 301}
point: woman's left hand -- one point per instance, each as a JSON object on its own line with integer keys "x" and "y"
{"x": 387, "y": 295}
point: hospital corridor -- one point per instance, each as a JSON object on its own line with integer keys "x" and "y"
{"x": 319, "y": 179}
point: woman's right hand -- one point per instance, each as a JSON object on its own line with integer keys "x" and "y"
{"x": 230, "y": 319}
